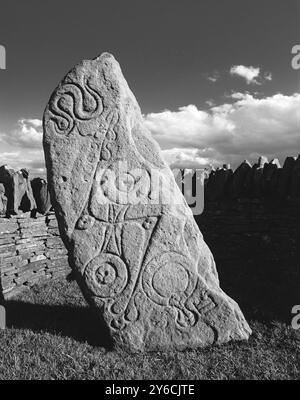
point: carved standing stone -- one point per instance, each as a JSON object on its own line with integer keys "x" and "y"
{"x": 139, "y": 258}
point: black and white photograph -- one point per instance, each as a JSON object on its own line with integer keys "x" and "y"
{"x": 150, "y": 193}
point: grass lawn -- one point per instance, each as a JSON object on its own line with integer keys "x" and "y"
{"x": 51, "y": 335}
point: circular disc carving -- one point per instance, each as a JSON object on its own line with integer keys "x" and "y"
{"x": 106, "y": 275}
{"x": 168, "y": 275}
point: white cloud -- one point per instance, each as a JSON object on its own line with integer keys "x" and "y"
{"x": 22, "y": 147}
{"x": 210, "y": 103}
{"x": 214, "y": 77}
{"x": 268, "y": 76}
{"x": 252, "y": 75}
{"x": 28, "y": 134}
{"x": 249, "y": 73}
{"x": 33, "y": 159}
{"x": 245, "y": 128}
{"x": 229, "y": 133}
{"x": 188, "y": 158}
{"x": 239, "y": 95}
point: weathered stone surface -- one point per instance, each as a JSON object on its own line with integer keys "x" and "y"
{"x": 140, "y": 260}
{"x": 6, "y": 179}
{"x": 23, "y": 247}
{"x": 8, "y": 227}
{"x": 41, "y": 195}
{"x": 3, "y": 200}
{"x": 17, "y": 190}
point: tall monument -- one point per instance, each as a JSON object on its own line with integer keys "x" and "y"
{"x": 138, "y": 255}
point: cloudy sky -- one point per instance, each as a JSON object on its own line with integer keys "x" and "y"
{"x": 213, "y": 78}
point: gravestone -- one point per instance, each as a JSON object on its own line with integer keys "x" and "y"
{"x": 137, "y": 253}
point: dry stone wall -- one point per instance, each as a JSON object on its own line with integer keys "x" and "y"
{"x": 31, "y": 252}
{"x": 251, "y": 222}
{"x": 257, "y": 251}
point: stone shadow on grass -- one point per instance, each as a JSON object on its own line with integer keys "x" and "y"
{"x": 79, "y": 323}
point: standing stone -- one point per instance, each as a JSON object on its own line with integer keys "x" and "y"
{"x": 41, "y": 195}
{"x": 3, "y": 200}
{"x": 6, "y": 179}
{"x": 24, "y": 199}
{"x": 137, "y": 252}
{"x": 17, "y": 189}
